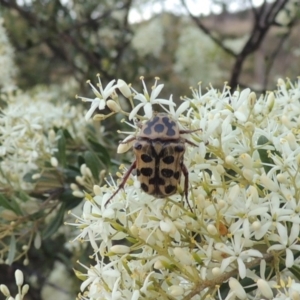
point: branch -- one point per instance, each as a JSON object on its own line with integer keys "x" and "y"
{"x": 224, "y": 277}
{"x": 262, "y": 23}
{"x": 207, "y": 31}
{"x": 73, "y": 36}
{"x": 277, "y": 50}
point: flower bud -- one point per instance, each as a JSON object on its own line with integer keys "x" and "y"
{"x": 256, "y": 225}
{"x": 270, "y": 101}
{"x": 19, "y": 277}
{"x": 113, "y": 106}
{"x": 36, "y": 176}
{"x": 120, "y": 249}
{"x": 264, "y": 288}
{"x": 25, "y": 289}
{"x": 78, "y": 194}
{"x": 212, "y": 229}
{"x": 97, "y": 190}
{"x": 183, "y": 256}
{"x": 158, "y": 265}
{"x": 4, "y": 290}
{"x": 80, "y": 180}
{"x": 37, "y": 241}
{"x": 220, "y": 169}
{"x": 229, "y": 160}
{"x": 51, "y": 135}
{"x": 8, "y": 215}
{"x": 176, "y": 290}
{"x": 54, "y": 162}
{"x": 237, "y": 288}
{"x": 248, "y": 174}
{"x": 124, "y": 88}
{"x": 252, "y": 99}
{"x": 99, "y": 117}
{"x": 124, "y": 146}
{"x": 280, "y": 81}
{"x": 282, "y": 178}
{"x": 246, "y": 160}
{"x": 268, "y": 183}
{"x": 74, "y": 187}
{"x": 216, "y": 271}
{"x": 292, "y": 140}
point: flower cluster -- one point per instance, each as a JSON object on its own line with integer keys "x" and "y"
{"x": 22, "y": 289}
{"x": 29, "y": 169}
{"x": 194, "y": 54}
{"x": 27, "y": 138}
{"x": 8, "y": 69}
{"x": 149, "y": 38}
{"x": 241, "y": 238}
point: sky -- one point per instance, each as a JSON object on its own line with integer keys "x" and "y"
{"x": 204, "y": 7}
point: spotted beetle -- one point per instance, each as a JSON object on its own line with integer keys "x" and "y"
{"x": 159, "y": 151}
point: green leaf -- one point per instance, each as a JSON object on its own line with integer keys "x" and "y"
{"x": 101, "y": 152}
{"x": 23, "y": 196}
{"x": 263, "y": 153}
{"x": 55, "y": 223}
{"x": 28, "y": 177}
{"x": 5, "y": 203}
{"x": 69, "y": 200}
{"x": 61, "y": 145}
{"x": 296, "y": 271}
{"x": 10, "y": 204}
{"x": 71, "y": 172}
{"x": 12, "y": 250}
{"x": 93, "y": 162}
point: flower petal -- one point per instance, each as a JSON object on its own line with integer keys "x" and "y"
{"x": 135, "y": 111}
{"x": 156, "y": 92}
{"x": 148, "y": 110}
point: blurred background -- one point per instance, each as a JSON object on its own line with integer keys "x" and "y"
{"x": 245, "y": 42}
{"x": 63, "y": 43}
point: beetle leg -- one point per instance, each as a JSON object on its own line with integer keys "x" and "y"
{"x": 190, "y": 143}
{"x": 186, "y": 184}
{"x": 189, "y": 131}
{"x": 121, "y": 185}
{"x": 128, "y": 141}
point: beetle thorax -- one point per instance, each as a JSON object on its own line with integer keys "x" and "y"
{"x": 161, "y": 127}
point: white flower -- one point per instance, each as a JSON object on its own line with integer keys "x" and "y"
{"x": 101, "y": 96}
{"x": 236, "y": 253}
{"x": 244, "y": 195}
{"x": 287, "y": 243}
{"x": 237, "y": 288}
{"x": 264, "y": 288}
{"x": 148, "y": 100}
{"x": 124, "y": 88}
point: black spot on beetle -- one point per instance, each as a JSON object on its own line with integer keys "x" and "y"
{"x": 179, "y": 148}
{"x": 159, "y": 128}
{"x": 169, "y": 124}
{"x": 149, "y": 125}
{"x": 146, "y": 171}
{"x": 138, "y": 172}
{"x": 169, "y": 189}
{"x": 176, "y": 175}
{"x": 144, "y": 187}
{"x": 167, "y": 173}
{"x": 157, "y": 181}
{"x": 137, "y": 146}
{"x": 168, "y": 159}
{"x": 146, "y": 158}
{"x": 161, "y": 181}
